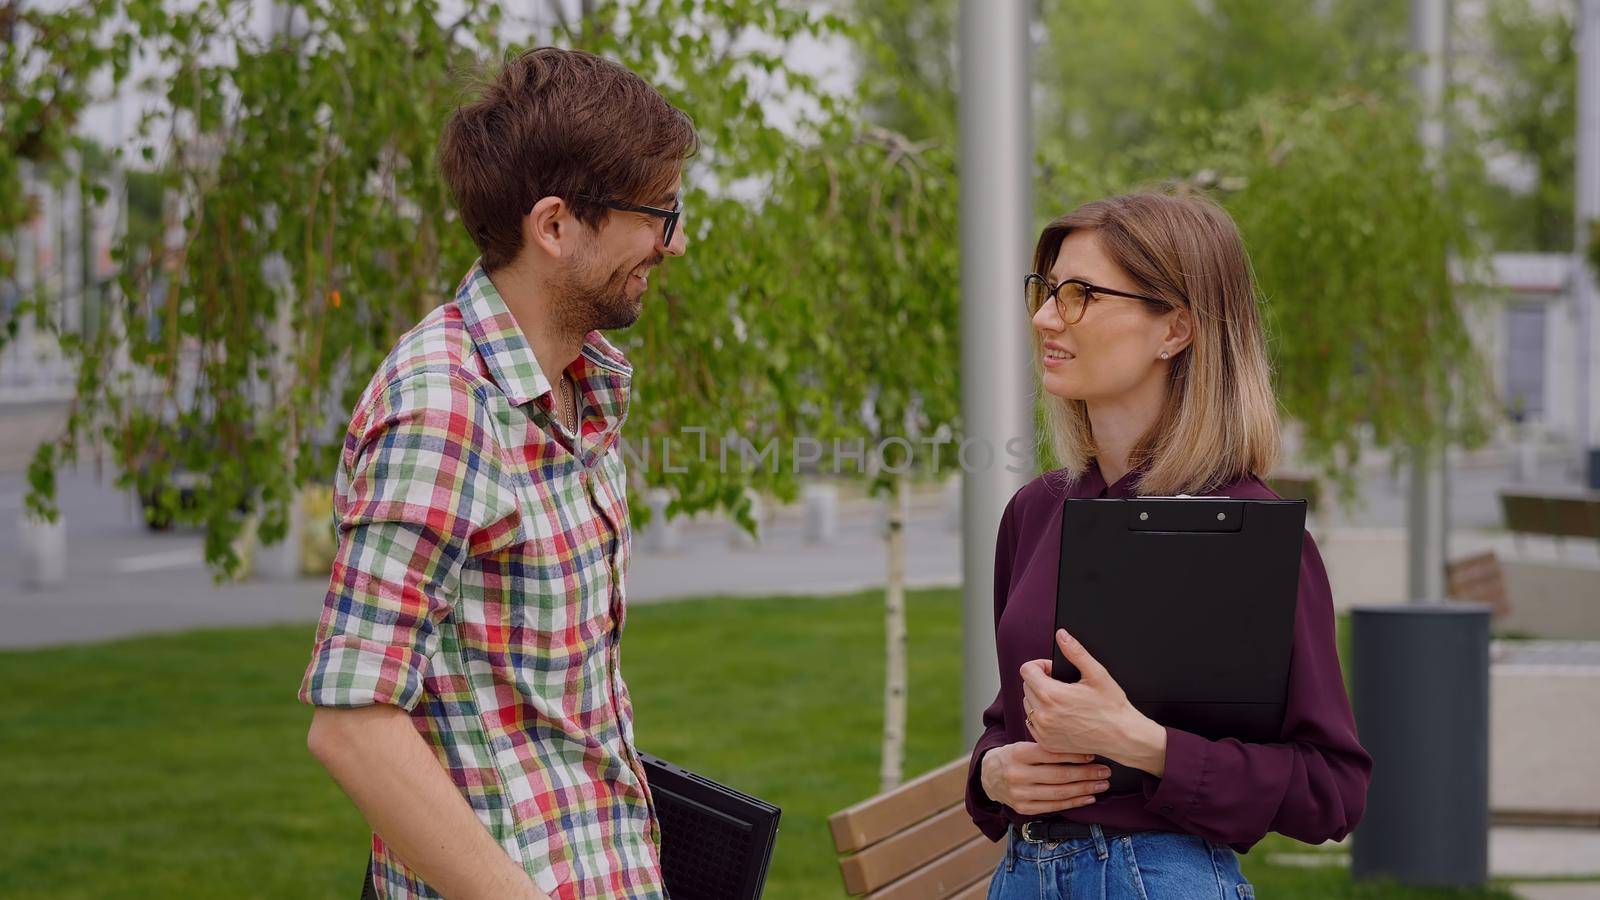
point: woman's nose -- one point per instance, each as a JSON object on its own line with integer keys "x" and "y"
{"x": 1047, "y": 318}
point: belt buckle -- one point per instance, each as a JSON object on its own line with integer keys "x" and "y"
{"x": 1027, "y": 834}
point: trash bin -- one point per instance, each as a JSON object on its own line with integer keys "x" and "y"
{"x": 1420, "y": 674}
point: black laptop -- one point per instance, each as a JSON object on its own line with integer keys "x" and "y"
{"x": 715, "y": 841}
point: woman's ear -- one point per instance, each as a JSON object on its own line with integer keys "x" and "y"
{"x": 1179, "y": 333}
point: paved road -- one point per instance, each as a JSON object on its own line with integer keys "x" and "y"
{"x": 124, "y": 579}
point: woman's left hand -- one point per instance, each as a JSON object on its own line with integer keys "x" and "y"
{"x": 1092, "y": 715}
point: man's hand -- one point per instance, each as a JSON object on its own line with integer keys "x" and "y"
{"x": 1090, "y": 716}
{"x": 1034, "y": 781}
{"x": 392, "y": 776}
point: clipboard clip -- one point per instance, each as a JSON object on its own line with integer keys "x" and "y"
{"x": 1218, "y": 515}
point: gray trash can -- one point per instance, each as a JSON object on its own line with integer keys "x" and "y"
{"x": 1420, "y": 678}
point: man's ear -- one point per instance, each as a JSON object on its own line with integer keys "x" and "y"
{"x": 550, "y": 227}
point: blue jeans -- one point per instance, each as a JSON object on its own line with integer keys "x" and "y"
{"x": 1149, "y": 865}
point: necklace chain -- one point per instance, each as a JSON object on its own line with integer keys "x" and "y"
{"x": 569, "y": 390}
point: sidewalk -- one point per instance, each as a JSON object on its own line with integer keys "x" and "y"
{"x": 123, "y": 579}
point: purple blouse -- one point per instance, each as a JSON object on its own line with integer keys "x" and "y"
{"x": 1311, "y": 785}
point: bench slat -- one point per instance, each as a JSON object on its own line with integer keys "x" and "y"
{"x": 948, "y": 874}
{"x": 893, "y": 857}
{"x": 875, "y": 818}
{"x": 978, "y": 890}
{"x": 1478, "y": 578}
{"x": 1559, "y": 514}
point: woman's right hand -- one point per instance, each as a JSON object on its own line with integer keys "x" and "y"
{"x": 1034, "y": 781}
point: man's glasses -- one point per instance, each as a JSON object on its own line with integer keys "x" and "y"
{"x": 1072, "y": 296}
{"x": 670, "y": 216}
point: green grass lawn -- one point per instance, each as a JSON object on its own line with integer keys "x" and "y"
{"x": 175, "y": 766}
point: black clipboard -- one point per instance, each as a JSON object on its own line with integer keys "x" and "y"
{"x": 1189, "y": 603}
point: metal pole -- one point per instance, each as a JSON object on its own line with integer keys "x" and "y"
{"x": 997, "y": 383}
{"x": 1585, "y": 294}
{"x": 1426, "y": 535}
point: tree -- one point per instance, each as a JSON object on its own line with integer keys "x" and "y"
{"x": 1120, "y": 75}
{"x": 1302, "y": 122}
{"x": 48, "y": 61}
{"x": 1523, "y": 86}
{"x": 313, "y": 228}
{"x": 880, "y": 361}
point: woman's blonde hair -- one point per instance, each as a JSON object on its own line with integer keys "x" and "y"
{"x": 1220, "y": 420}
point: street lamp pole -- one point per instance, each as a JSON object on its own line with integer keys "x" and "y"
{"x": 1585, "y": 292}
{"x": 1427, "y": 523}
{"x": 996, "y": 381}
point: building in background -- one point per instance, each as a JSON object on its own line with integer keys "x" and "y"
{"x": 63, "y": 255}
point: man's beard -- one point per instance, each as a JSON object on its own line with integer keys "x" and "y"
{"x": 600, "y": 304}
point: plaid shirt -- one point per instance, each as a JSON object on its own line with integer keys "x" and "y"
{"x": 479, "y": 585}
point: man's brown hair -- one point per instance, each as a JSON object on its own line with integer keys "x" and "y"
{"x": 557, "y": 123}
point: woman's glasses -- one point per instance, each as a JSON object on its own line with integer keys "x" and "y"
{"x": 1072, "y": 296}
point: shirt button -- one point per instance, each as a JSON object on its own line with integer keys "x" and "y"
{"x": 1167, "y": 810}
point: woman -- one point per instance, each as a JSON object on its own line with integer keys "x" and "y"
{"x": 1151, "y": 355}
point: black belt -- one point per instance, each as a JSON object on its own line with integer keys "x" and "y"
{"x": 1054, "y": 831}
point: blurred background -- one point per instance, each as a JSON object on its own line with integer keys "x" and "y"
{"x": 216, "y": 217}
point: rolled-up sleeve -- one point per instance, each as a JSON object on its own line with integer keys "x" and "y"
{"x": 419, "y": 490}
{"x": 1312, "y": 785}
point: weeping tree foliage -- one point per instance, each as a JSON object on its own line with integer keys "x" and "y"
{"x": 1524, "y": 89}
{"x": 718, "y": 352}
{"x": 1300, "y": 119}
{"x": 1121, "y": 75}
{"x": 1302, "y": 122}
{"x": 879, "y": 363}
{"x": 308, "y": 227}
{"x": 311, "y": 228}
{"x": 1366, "y": 265}
{"x": 47, "y": 61}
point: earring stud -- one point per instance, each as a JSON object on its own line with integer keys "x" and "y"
{"x": 1164, "y": 354}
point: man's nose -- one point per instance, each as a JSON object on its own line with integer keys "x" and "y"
{"x": 679, "y": 243}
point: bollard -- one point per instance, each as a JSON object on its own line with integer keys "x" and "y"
{"x": 44, "y": 551}
{"x": 282, "y": 561}
{"x": 661, "y": 535}
{"x": 1420, "y": 678}
{"x": 952, "y": 505}
{"x": 738, "y": 538}
{"x": 822, "y": 513}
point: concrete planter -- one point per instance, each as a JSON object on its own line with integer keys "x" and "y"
{"x": 821, "y": 513}
{"x": 738, "y": 538}
{"x": 1551, "y": 599}
{"x": 661, "y": 535}
{"x": 1543, "y": 731}
{"x": 284, "y": 560}
{"x": 44, "y": 552}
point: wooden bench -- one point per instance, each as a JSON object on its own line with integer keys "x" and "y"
{"x": 1560, "y": 514}
{"x": 1479, "y": 579}
{"x": 916, "y": 842}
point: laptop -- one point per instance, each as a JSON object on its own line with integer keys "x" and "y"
{"x": 715, "y": 841}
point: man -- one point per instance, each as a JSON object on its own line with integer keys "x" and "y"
{"x": 465, "y": 673}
